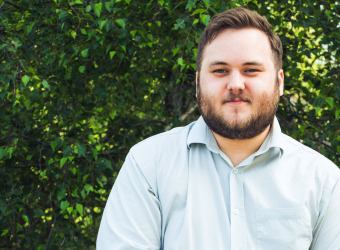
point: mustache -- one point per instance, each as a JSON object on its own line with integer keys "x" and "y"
{"x": 232, "y": 97}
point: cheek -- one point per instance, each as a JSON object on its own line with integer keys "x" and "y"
{"x": 212, "y": 88}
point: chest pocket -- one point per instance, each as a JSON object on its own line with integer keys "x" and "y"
{"x": 282, "y": 229}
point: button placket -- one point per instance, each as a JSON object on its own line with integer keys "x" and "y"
{"x": 236, "y": 211}
{"x": 238, "y": 239}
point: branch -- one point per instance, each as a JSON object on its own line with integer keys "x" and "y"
{"x": 30, "y": 165}
{"x": 50, "y": 234}
{"x": 186, "y": 114}
{"x": 330, "y": 148}
{"x": 22, "y": 136}
{"x": 14, "y": 5}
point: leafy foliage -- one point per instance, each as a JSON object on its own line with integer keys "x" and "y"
{"x": 82, "y": 81}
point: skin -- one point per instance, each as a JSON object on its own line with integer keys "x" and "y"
{"x": 237, "y": 81}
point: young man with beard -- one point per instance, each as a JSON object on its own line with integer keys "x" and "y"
{"x": 230, "y": 180}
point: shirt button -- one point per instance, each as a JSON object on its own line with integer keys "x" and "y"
{"x": 235, "y": 171}
{"x": 235, "y": 211}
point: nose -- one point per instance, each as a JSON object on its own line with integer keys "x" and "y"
{"x": 235, "y": 82}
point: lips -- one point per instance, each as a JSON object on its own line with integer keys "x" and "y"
{"x": 237, "y": 100}
{"x": 233, "y": 98}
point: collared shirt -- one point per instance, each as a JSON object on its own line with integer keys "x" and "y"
{"x": 179, "y": 191}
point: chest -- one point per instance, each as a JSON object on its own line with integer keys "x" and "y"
{"x": 206, "y": 205}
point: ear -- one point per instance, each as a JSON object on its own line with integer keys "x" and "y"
{"x": 280, "y": 78}
{"x": 197, "y": 82}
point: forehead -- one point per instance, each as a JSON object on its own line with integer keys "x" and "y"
{"x": 239, "y": 46}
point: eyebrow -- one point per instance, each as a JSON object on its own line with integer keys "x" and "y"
{"x": 254, "y": 63}
{"x": 251, "y": 63}
{"x": 216, "y": 63}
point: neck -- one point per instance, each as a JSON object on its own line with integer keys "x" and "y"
{"x": 239, "y": 150}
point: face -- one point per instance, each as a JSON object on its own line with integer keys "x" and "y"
{"x": 238, "y": 87}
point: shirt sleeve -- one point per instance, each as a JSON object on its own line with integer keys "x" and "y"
{"x": 132, "y": 217}
{"x": 326, "y": 235}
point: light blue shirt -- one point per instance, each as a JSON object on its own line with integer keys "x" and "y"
{"x": 179, "y": 191}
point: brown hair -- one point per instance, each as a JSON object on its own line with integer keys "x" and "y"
{"x": 239, "y": 18}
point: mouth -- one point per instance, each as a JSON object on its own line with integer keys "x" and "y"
{"x": 237, "y": 100}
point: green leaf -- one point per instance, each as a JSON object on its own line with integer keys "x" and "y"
{"x": 123, "y": 48}
{"x": 85, "y": 177}
{"x": 17, "y": 43}
{"x": 121, "y": 23}
{"x": 10, "y": 151}
{"x": 85, "y": 52}
{"x": 88, "y": 188}
{"x": 69, "y": 210}
{"x": 64, "y": 205}
{"x": 98, "y": 9}
{"x": 29, "y": 27}
{"x": 91, "y": 138}
{"x": 5, "y": 231}
{"x": 112, "y": 53}
{"x": 113, "y": 115}
{"x": 55, "y": 143}
{"x": 108, "y": 6}
{"x": 25, "y": 218}
{"x": 63, "y": 161}
{"x": 198, "y": 11}
{"x": 330, "y": 102}
{"x": 180, "y": 61}
{"x": 95, "y": 153}
{"x": 80, "y": 209}
{"x": 46, "y": 85}
{"x": 73, "y": 34}
{"x": 81, "y": 69}
{"x": 102, "y": 24}
{"x": 81, "y": 150}
{"x": 3, "y": 46}
{"x": 25, "y": 79}
{"x": 43, "y": 173}
{"x": 190, "y": 5}
{"x": 60, "y": 195}
{"x": 73, "y": 170}
{"x": 206, "y": 3}
{"x": 66, "y": 151}
{"x": 3, "y": 153}
{"x": 205, "y": 19}
{"x": 88, "y": 8}
{"x": 105, "y": 163}
{"x": 337, "y": 113}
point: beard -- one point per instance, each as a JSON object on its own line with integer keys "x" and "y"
{"x": 238, "y": 126}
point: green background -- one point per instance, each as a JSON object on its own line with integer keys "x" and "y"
{"x": 82, "y": 81}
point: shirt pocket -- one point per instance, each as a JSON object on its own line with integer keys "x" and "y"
{"x": 282, "y": 229}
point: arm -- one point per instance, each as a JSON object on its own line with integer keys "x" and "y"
{"x": 132, "y": 217}
{"x": 326, "y": 235}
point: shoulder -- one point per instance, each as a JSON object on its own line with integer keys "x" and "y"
{"x": 293, "y": 147}
{"x": 161, "y": 152}
{"x": 169, "y": 140}
{"x": 309, "y": 160}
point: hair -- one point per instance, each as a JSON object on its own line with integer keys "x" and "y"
{"x": 239, "y": 18}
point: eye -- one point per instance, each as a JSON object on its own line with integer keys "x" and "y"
{"x": 252, "y": 70}
{"x": 220, "y": 71}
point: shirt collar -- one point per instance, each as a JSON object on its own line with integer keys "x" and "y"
{"x": 201, "y": 133}
{"x": 274, "y": 139}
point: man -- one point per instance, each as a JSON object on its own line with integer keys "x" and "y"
{"x": 230, "y": 180}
